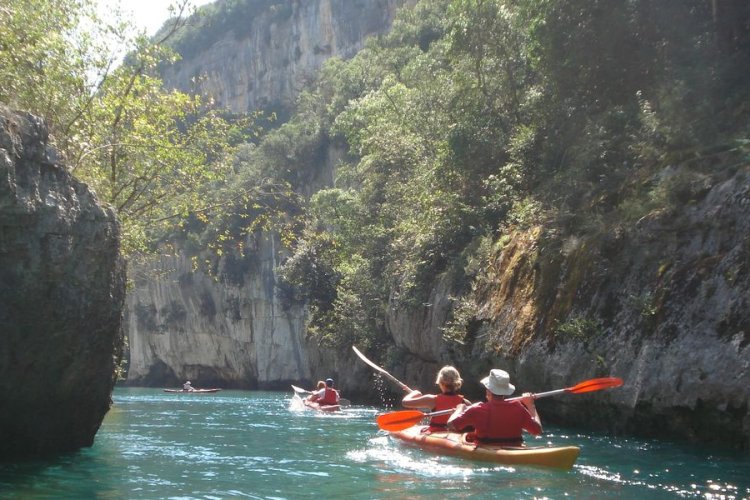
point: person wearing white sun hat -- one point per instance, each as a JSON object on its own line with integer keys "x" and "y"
{"x": 497, "y": 421}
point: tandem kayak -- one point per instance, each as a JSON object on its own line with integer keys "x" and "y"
{"x": 303, "y": 404}
{"x": 455, "y": 444}
{"x": 320, "y": 407}
{"x": 194, "y": 391}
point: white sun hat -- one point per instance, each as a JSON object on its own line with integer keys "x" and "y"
{"x": 498, "y": 383}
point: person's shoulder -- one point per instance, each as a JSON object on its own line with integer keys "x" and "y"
{"x": 503, "y": 401}
{"x": 478, "y": 406}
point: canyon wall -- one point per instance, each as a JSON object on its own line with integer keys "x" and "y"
{"x": 661, "y": 303}
{"x": 234, "y": 331}
{"x": 267, "y": 61}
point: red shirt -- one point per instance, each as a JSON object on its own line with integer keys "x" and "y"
{"x": 498, "y": 420}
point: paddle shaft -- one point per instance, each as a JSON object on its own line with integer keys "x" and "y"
{"x": 538, "y": 395}
{"x": 535, "y": 396}
{"x": 403, "y": 386}
{"x": 401, "y": 420}
{"x": 543, "y": 394}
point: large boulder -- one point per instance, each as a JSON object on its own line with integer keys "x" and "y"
{"x": 62, "y": 287}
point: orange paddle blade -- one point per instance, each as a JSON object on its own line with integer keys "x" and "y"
{"x": 595, "y": 384}
{"x": 399, "y": 420}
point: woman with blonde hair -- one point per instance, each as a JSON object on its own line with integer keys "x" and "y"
{"x": 450, "y": 382}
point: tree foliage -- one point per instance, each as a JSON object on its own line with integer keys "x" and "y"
{"x": 468, "y": 117}
{"x": 473, "y": 115}
{"x": 148, "y": 151}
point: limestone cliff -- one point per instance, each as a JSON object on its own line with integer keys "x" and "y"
{"x": 62, "y": 287}
{"x": 662, "y": 303}
{"x": 229, "y": 332}
{"x": 267, "y": 59}
{"x": 233, "y": 331}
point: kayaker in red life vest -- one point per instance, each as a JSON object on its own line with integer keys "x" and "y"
{"x": 325, "y": 396}
{"x": 450, "y": 382}
{"x": 497, "y": 421}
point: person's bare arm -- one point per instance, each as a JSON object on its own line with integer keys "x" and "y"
{"x": 416, "y": 399}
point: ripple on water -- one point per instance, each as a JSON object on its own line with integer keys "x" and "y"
{"x": 249, "y": 444}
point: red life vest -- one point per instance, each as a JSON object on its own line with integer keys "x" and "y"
{"x": 444, "y": 402}
{"x": 330, "y": 397}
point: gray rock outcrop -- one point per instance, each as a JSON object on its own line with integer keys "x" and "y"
{"x": 234, "y": 332}
{"x": 62, "y": 287}
{"x": 279, "y": 51}
{"x": 662, "y": 304}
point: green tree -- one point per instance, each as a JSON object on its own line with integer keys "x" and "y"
{"x": 45, "y": 59}
{"x": 148, "y": 151}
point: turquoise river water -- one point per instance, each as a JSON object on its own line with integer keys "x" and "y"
{"x": 259, "y": 445}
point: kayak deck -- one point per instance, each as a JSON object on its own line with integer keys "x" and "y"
{"x": 319, "y": 407}
{"x": 455, "y": 444}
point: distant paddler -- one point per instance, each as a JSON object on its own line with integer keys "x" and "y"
{"x": 325, "y": 395}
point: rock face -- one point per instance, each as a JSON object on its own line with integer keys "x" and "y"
{"x": 662, "y": 304}
{"x": 183, "y": 324}
{"x": 279, "y": 50}
{"x": 234, "y": 333}
{"x": 62, "y": 288}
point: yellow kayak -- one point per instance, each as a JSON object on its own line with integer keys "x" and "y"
{"x": 455, "y": 444}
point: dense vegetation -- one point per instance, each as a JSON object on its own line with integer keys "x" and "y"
{"x": 149, "y": 152}
{"x": 472, "y": 118}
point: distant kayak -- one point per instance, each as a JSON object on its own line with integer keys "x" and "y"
{"x": 300, "y": 404}
{"x": 194, "y": 391}
{"x": 455, "y": 444}
{"x": 299, "y": 400}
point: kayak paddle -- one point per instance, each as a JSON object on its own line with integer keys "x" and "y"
{"x": 591, "y": 385}
{"x": 381, "y": 370}
{"x": 400, "y": 420}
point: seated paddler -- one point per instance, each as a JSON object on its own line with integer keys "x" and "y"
{"x": 497, "y": 420}
{"x": 450, "y": 382}
{"x": 325, "y": 396}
